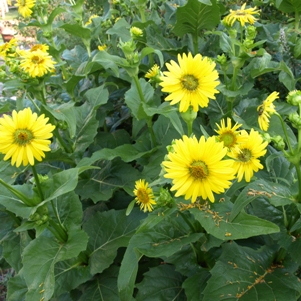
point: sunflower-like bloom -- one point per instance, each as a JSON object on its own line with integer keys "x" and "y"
{"x": 265, "y": 110}
{"x": 90, "y": 19}
{"x": 198, "y": 168}
{"x": 246, "y": 160}
{"x": 37, "y": 63}
{"x": 153, "y": 72}
{"x": 191, "y": 82}
{"x": 136, "y": 32}
{"x": 242, "y": 15}
{"x": 24, "y": 137}
{"x": 42, "y": 47}
{"x": 25, "y": 7}
{"x": 229, "y": 135}
{"x": 8, "y": 48}
{"x": 102, "y": 47}
{"x": 144, "y": 196}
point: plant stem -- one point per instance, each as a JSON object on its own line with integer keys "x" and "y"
{"x": 57, "y": 231}
{"x": 297, "y": 20}
{"x": 297, "y": 167}
{"x": 37, "y": 180}
{"x": 285, "y": 133}
{"x": 61, "y": 141}
{"x": 142, "y": 15}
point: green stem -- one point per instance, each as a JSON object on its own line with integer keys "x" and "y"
{"x": 284, "y": 217}
{"x": 299, "y": 130}
{"x": 57, "y": 231}
{"x": 18, "y": 194}
{"x": 142, "y": 15}
{"x": 297, "y": 167}
{"x": 195, "y": 43}
{"x": 151, "y": 131}
{"x": 61, "y": 141}
{"x": 285, "y": 133}
{"x": 37, "y": 180}
{"x": 297, "y": 20}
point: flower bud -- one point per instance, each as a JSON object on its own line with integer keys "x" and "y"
{"x": 221, "y": 59}
{"x": 294, "y": 97}
{"x": 279, "y": 142}
{"x": 251, "y": 32}
{"x": 295, "y": 119}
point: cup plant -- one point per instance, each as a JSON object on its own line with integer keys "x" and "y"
{"x": 150, "y": 150}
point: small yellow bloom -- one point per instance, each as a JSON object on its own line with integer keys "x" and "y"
{"x": 198, "y": 168}
{"x": 242, "y": 15}
{"x": 37, "y": 63}
{"x": 25, "y": 7}
{"x": 42, "y": 47}
{"x": 229, "y": 135}
{"x": 153, "y": 72}
{"x": 8, "y": 48}
{"x": 191, "y": 82}
{"x": 265, "y": 110}
{"x": 90, "y": 19}
{"x": 144, "y": 195}
{"x": 24, "y": 137}
{"x": 246, "y": 157}
{"x": 102, "y": 47}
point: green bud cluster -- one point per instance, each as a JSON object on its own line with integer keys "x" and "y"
{"x": 41, "y": 216}
{"x": 278, "y": 142}
{"x": 295, "y": 119}
{"x": 221, "y": 59}
{"x": 164, "y": 199}
{"x": 294, "y": 98}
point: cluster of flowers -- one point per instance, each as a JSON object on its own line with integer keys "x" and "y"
{"x": 202, "y": 167}
{"x": 32, "y": 63}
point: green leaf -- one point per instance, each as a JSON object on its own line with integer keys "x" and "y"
{"x": 166, "y": 238}
{"x": 107, "y": 232}
{"x": 103, "y": 287}
{"x": 195, "y": 285}
{"x": 195, "y": 16}
{"x": 215, "y": 220}
{"x": 39, "y": 258}
{"x": 69, "y": 275}
{"x": 16, "y": 288}
{"x": 77, "y": 30}
{"x": 276, "y": 194}
{"x": 289, "y": 6}
{"x": 161, "y": 283}
{"x": 101, "y": 184}
{"x": 122, "y": 29}
{"x": 242, "y": 273}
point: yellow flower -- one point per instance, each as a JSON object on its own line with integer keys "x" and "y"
{"x": 24, "y": 7}
{"x": 41, "y": 47}
{"x": 144, "y": 195}
{"x": 229, "y": 135}
{"x": 197, "y": 168}
{"x": 102, "y": 47}
{"x": 37, "y": 63}
{"x": 90, "y": 19}
{"x": 8, "y": 48}
{"x": 24, "y": 137}
{"x": 246, "y": 158}
{"x": 191, "y": 82}
{"x": 242, "y": 15}
{"x": 265, "y": 110}
{"x": 153, "y": 72}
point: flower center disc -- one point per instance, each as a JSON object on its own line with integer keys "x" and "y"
{"x": 36, "y": 59}
{"x": 189, "y": 82}
{"x": 245, "y": 155}
{"x": 142, "y": 196}
{"x": 22, "y": 137}
{"x": 199, "y": 170}
{"x": 228, "y": 138}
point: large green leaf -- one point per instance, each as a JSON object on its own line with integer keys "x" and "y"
{"x": 102, "y": 183}
{"x": 103, "y": 287}
{"x": 276, "y": 194}
{"x": 161, "y": 283}
{"x": 215, "y": 220}
{"x": 16, "y": 288}
{"x": 245, "y": 274}
{"x": 40, "y": 257}
{"x": 289, "y": 6}
{"x": 195, "y": 285}
{"x": 195, "y": 16}
{"x": 108, "y": 231}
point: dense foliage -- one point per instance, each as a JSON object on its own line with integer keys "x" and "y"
{"x": 117, "y": 182}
